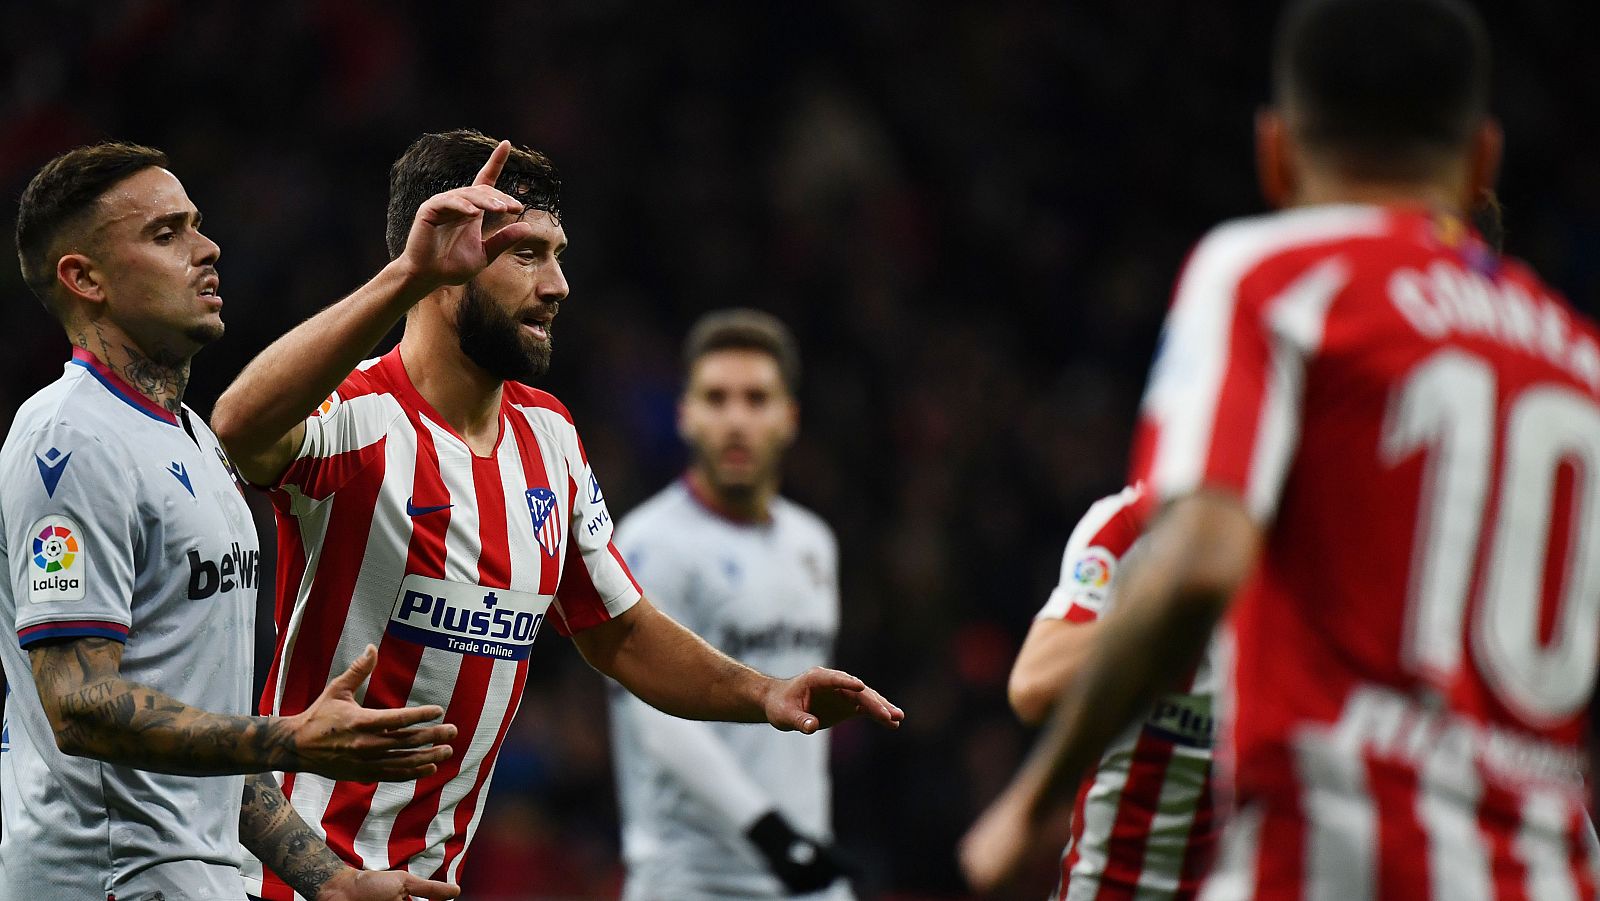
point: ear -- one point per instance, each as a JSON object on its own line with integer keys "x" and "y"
{"x": 78, "y": 276}
{"x": 1274, "y": 161}
{"x": 1483, "y": 162}
{"x": 792, "y": 423}
{"x": 683, "y": 418}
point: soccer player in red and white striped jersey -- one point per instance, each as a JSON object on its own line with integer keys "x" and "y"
{"x": 439, "y": 507}
{"x": 1380, "y": 441}
{"x": 1142, "y": 820}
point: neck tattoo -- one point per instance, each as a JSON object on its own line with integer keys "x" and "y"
{"x": 163, "y": 381}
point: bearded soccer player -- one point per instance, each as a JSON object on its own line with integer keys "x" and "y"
{"x": 1142, "y": 821}
{"x": 731, "y": 810}
{"x": 439, "y": 506}
{"x": 130, "y": 561}
{"x": 1377, "y": 439}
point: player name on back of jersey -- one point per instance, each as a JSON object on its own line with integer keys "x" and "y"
{"x": 1447, "y": 299}
{"x": 467, "y": 619}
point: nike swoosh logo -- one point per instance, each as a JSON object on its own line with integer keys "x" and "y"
{"x": 414, "y": 510}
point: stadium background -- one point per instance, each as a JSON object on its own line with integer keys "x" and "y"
{"x": 970, "y": 215}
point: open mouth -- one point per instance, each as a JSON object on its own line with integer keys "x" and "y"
{"x": 538, "y": 326}
{"x": 208, "y": 288}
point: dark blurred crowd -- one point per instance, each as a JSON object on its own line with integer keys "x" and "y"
{"x": 971, "y": 215}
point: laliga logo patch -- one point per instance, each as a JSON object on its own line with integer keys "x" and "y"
{"x": 327, "y": 407}
{"x": 1093, "y": 569}
{"x": 58, "y": 569}
{"x": 546, "y": 525}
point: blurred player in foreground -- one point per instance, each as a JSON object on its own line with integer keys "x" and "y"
{"x": 439, "y": 506}
{"x": 1142, "y": 820}
{"x": 130, "y": 565}
{"x": 723, "y": 810}
{"x": 1378, "y": 440}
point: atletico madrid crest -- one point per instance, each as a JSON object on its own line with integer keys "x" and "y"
{"x": 546, "y": 525}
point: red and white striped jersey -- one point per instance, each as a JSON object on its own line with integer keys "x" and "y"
{"x": 1142, "y": 823}
{"x": 393, "y": 532}
{"x": 1415, "y": 421}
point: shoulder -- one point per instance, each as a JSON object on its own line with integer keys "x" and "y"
{"x": 1113, "y": 523}
{"x": 806, "y": 523}
{"x": 1232, "y": 251}
{"x": 531, "y": 398}
{"x": 70, "y": 407}
{"x": 659, "y": 520}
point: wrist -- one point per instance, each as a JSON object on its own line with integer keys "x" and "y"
{"x": 331, "y": 888}
{"x": 282, "y": 740}
{"x": 409, "y": 281}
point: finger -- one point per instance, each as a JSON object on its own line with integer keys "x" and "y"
{"x": 396, "y": 719}
{"x": 404, "y": 740}
{"x": 349, "y": 681}
{"x": 878, "y": 707}
{"x": 819, "y": 677}
{"x": 490, "y": 197}
{"x": 490, "y": 173}
{"x": 506, "y": 238}
{"x": 427, "y": 888}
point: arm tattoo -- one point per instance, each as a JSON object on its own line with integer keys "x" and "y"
{"x": 96, "y": 713}
{"x": 271, "y": 829}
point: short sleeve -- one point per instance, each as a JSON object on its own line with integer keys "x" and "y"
{"x": 72, "y": 524}
{"x": 1222, "y": 408}
{"x": 342, "y": 436}
{"x": 596, "y": 585}
{"x": 1094, "y": 551}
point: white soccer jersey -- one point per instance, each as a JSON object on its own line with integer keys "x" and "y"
{"x": 1142, "y": 823}
{"x": 119, "y": 520}
{"x": 766, "y": 594}
{"x": 393, "y": 532}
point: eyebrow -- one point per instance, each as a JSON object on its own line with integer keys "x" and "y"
{"x": 171, "y": 220}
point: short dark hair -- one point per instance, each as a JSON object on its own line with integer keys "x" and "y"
{"x": 61, "y": 192}
{"x": 744, "y": 329}
{"x": 441, "y": 162}
{"x": 1388, "y": 86}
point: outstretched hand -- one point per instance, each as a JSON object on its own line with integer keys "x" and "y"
{"x": 819, "y": 698}
{"x": 382, "y": 885}
{"x": 338, "y": 738}
{"x": 447, "y": 244}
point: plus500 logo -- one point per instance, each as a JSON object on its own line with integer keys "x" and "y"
{"x": 467, "y": 619}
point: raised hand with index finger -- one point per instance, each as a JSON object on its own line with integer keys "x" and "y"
{"x": 448, "y": 244}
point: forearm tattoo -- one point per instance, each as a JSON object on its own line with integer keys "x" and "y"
{"x": 271, "y": 829}
{"x": 96, "y": 713}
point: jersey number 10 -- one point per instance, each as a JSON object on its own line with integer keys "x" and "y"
{"x": 1447, "y": 406}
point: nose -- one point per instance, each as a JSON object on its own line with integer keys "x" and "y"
{"x": 206, "y": 251}
{"x": 553, "y": 287}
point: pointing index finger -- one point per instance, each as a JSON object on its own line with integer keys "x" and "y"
{"x": 490, "y": 173}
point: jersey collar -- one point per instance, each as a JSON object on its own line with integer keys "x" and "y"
{"x": 114, "y": 383}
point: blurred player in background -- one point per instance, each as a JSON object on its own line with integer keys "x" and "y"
{"x": 1142, "y": 820}
{"x": 731, "y": 810}
{"x": 1379, "y": 440}
{"x": 439, "y": 506}
{"x": 130, "y": 563}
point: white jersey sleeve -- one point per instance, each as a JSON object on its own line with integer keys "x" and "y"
{"x": 72, "y": 523}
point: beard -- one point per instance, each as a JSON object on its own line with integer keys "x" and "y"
{"x": 496, "y": 342}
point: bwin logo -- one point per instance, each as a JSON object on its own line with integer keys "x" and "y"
{"x": 237, "y": 569}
